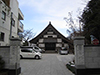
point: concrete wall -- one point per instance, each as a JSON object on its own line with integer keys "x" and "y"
{"x": 87, "y": 57}
{"x": 11, "y": 56}
{"x": 5, "y": 24}
{"x": 5, "y": 53}
{"x": 14, "y": 8}
{"x": 92, "y": 56}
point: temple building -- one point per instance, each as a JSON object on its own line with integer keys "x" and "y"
{"x": 50, "y": 39}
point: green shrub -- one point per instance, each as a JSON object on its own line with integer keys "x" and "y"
{"x": 2, "y": 63}
{"x": 71, "y": 68}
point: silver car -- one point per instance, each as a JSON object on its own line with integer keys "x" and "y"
{"x": 63, "y": 50}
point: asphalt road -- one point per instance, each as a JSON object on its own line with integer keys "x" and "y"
{"x": 50, "y": 64}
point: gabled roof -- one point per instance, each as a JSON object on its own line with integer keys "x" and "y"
{"x": 45, "y": 30}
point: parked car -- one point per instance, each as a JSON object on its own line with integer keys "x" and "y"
{"x": 38, "y": 49}
{"x": 29, "y": 53}
{"x": 63, "y": 50}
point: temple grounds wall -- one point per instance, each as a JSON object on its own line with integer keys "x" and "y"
{"x": 11, "y": 56}
{"x": 87, "y": 57}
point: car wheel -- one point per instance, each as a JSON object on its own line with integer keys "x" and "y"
{"x": 21, "y": 57}
{"x": 37, "y": 57}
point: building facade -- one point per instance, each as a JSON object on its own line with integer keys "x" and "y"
{"x": 10, "y": 24}
{"x": 50, "y": 39}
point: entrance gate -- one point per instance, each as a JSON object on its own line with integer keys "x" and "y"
{"x": 50, "y": 46}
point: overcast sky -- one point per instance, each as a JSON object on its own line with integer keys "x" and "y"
{"x": 38, "y": 13}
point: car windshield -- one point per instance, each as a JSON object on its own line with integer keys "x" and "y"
{"x": 36, "y": 47}
{"x": 35, "y": 50}
{"x": 65, "y": 49}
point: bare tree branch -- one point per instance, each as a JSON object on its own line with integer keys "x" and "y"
{"x": 28, "y": 34}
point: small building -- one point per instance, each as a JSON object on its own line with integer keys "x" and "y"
{"x": 50, "y": 39}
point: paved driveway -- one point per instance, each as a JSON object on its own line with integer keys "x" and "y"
{"x": 50, "y": 64}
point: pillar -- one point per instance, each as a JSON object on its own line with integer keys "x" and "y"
{"x": 79, "y": 55}
{"x": 14, "y": 67}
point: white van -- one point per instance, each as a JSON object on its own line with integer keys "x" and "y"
{"x": 29, "y": 53}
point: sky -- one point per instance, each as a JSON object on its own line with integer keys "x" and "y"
{"x": 38, "y": 13}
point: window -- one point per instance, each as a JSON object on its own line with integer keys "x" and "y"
{"x": 3, "y": 15}
{"x": 50, "y": 30}
{"x": 1, "y": 36}
{"x": 13, "y": 22}
{"x": 49, "y": 36}
{"x": 35, "y": 47}
{"x": 27, "y": 50}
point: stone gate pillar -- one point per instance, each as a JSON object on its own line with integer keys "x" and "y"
{"x": 79, "y": 55}
{"x": 14, "y": 67}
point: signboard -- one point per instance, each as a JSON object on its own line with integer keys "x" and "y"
{"x": 95, "y": 41}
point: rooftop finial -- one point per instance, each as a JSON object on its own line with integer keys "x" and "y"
{"x": 49, "y": 22}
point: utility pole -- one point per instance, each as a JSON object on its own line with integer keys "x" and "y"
{"x": 11, "y": 25}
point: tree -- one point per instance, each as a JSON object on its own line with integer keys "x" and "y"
{"x": 73, "y": 25}
{"x": 27, "y": 35}
{"x": 91, "y": 19}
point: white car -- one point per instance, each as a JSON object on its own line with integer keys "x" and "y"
{"x": 36, "y": 48}
{"x": 30, "y": 53}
